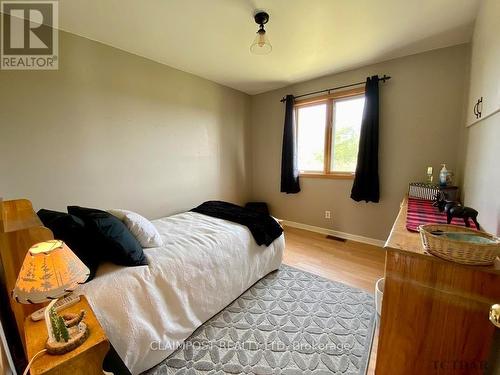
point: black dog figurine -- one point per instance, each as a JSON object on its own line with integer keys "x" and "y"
{"x": 455, "y": 209}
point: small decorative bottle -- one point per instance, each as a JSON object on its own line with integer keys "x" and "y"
{"x": 443, "y": 175}
{"x": 430, "y": 177}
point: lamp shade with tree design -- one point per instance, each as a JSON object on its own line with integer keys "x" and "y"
{"x": 50, "y": 270}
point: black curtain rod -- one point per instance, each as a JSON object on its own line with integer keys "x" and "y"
{"x": 383, "y": 79}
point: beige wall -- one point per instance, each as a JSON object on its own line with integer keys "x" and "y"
{"x": 420, "y": 124}
{"x": 482, "y": 172}
{"x": 482, "y": 162}
{"x": 111, "y": 129}
{"x": 485, "y": 61}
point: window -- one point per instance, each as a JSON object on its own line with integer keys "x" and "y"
{"x": 311, "y": 137}
{"x": 328, "y": 131}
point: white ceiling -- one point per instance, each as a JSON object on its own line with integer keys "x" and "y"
{"x": 310, "y": 38}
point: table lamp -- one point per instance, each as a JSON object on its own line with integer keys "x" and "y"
{"x": 51, "y": 270}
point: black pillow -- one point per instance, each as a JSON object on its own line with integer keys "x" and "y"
{"x": 72, "y": 231}
{"x": 113, "y": 240}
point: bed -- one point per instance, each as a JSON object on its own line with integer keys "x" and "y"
{"x": 203, "y": 265}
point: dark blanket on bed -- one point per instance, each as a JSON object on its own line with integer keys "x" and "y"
{"x": 263, "y": 227}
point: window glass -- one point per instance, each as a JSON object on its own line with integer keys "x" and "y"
{"x": 347, "y": 115}
{"x": 311, "y": 122}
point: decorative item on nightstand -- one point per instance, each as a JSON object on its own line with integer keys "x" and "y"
{"x": 51, "y": 270}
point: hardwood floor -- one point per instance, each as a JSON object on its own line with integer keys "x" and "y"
{"x": 349, "y": 262}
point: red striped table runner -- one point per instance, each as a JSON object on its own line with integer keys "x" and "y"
{"x": 421, "y": 211}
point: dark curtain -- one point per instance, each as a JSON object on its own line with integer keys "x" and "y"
{"x": 366, "y": 181}
{"x": 289, "y": 170}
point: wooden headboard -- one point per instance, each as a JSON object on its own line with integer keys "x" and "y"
{"x": 20, "y": 228}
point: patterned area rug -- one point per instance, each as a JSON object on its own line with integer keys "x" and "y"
{"x": 291, "y": 322}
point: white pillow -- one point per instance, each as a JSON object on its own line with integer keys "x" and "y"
{"x": 140, "y": 227}
{"x": 120, "y": 214}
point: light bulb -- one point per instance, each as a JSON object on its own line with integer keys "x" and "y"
{"x": 262, "y": 39}
{"x": 261, "y": 45}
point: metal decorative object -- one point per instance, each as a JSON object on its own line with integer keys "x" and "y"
{"x": 455, "y": 209}
{"x": 495, "y": 315}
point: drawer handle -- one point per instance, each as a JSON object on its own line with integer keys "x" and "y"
{"x": 495, "y": 315}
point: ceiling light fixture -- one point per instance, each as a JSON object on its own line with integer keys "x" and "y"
{"x": 261, "y": 45}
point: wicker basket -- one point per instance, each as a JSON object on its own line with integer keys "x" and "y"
{"x": 459, "y": 251}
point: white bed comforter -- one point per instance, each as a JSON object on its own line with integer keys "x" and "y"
{"x": 203, "y": 265}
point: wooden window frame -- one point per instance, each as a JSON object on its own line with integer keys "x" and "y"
{"x": 329, "y": 130}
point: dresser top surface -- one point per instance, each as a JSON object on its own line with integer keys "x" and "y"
{"x": 402, "y": 240}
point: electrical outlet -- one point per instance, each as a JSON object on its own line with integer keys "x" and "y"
{"x": 328, "y": 215}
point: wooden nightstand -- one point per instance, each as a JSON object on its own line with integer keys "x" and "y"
{"x": 86, "y": 359}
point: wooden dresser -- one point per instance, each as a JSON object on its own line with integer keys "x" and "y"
{"x": 434, "y": 312}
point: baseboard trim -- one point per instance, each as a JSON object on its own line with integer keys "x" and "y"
{"x": 347, "y": 236}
